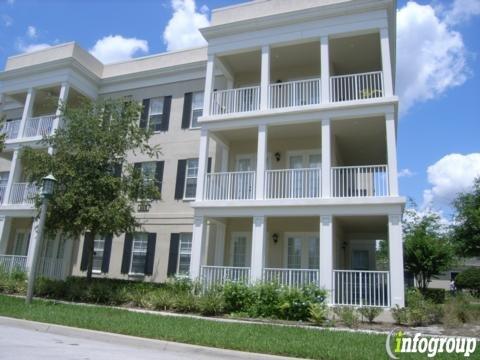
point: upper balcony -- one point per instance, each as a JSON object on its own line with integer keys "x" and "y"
{"x": 292, "y": 77}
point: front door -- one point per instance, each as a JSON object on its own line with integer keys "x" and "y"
{"x": 242, "y": 181}
{"x": 302, "y": 251}
{"x": 240, "y": 249}
{"x": 360, "y": 260}
{"x": 304, "y": 183}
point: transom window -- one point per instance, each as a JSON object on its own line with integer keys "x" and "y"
{"x": 197, "y": 108}
{"x": 155, "y": 113}
{"x": 191, "y": 172}
{"x": 185, "y": 250}
{"x": 98, "y": 249}
{"x": 139, "y": 253}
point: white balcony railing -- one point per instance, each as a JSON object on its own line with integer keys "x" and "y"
{"x": 294, "y": 93}
{"x": 292, "y": 183}
{"x": 11, "y": 128}
{"x": 219, "y": 275}
{"x": 238, "y": 185}
{"x": 295, "y": 278}
{"x": 235, "y": 100}
{"x": 11, "y": 263}
{"x": 3, "y": 188}
{"x": 359, "y": 181}
{"x": 39, "y": 126}
{"x": 356, "y": 86}
{"x": 51, "y": 268}
{"x": 361, "y": 288}
{"x": 22, "y": 194}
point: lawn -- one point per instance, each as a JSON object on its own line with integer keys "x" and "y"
{"x": 297, "y": 342}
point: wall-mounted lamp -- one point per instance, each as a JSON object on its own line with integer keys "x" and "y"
{"x": 275, "y": 238}
{"x": 344, "y": 245}
{"x": 277, "y": 156}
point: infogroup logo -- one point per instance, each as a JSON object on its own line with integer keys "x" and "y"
{"x": 400, "y": 343}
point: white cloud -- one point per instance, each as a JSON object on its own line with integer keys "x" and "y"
{"x": 27, "y": 48}
{"x": 114, "y": 48}
{"x": 6, "y": 20}
{"x": 32, "y": 32}
{"x": 431, "y": 56}
{"x": 461, "y": 11}
{"x": 182, "y": 30}
{"x": 451, "y": 175}
{"x": 405, "y": 173}
{"x": 11, "y": 2}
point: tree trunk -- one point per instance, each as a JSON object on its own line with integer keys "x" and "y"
{"x": 89, "y": 237}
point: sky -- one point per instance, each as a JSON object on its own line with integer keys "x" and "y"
{"x": 438, "y": 70}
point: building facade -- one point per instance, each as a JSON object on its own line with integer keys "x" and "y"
{"x": 278, "y": 149}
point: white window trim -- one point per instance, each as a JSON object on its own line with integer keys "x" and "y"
{"x": 151, "y": 114}
{"x": 248, "y": 248}
{"x": 185, "y": 181}
{"x": 304, "y": 252}
{"x": 96, "y": 271}
{"x": 130, "y": 273}
{"x": 177, "y": 271}
{"x": 191, "y": 111}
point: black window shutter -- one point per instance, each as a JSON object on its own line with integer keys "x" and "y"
{"x": 84, "y": 262}
{"x": 173, "y": 254}
{"x": 144, "y": 115}
{"x": 127, "y": 253}
{"x": 152, "y": 239}
{"x": 107, "y": 250}
{"x": 209, "y": 165}
{"x": 137, "y": 167}
{"x": 187, "y": 110}
{"x": 159, "y": 175}
{"x": 180, "y": 184}
{"x": 117, "y": 170}
{"x": 167, "y": 103}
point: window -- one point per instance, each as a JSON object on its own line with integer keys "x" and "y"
{"x": 98, "y": 248}
{"x": 302, "y": 251}
{"x": 185, "y": 249}
{"x": 197, "y": 108}
{"x": 191, "y": 171}
{"x": 313, "y": 253}
{"x": 139, "y": 253}
{"x": 294, "y": 257}
{"x": 239, "y": 251}
{"x": 22, "y": 239}
{"x": 148, "y": 170}
{"x": 155, "y": 113}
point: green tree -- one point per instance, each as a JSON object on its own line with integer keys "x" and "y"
{"x": 427, "y": 249}
{"x": 2, "y": 133}
{"x": 94, "y": 196}
{"x": 466, "y": 231}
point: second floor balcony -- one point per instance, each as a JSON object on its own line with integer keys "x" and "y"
{"x": 35, "y": 127}
{"x": 21, "y": 194}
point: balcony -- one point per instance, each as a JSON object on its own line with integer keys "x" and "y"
{"x": 34, "y": 127}
{"x": 238, "y": 185}
{"x": 22, "y": 194}
{"x": 293, "y": 183}
{"x": 356, "y": 87}
{"x": 235, "y": 100}
{"x": 11, "y": 129}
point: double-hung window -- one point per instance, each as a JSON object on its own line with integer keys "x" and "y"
{"x": 148, "y": 170}
{"x": 155, "y": 113}
{"x": 184, "y": 252}
{"x": 139, "y": 253}
{"x": 98, "y": 249}
{"x": 197, "y": 108}
{"x": 191, "y": 172}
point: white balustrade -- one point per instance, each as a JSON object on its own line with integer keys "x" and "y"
{"x": 51, "y": 268}
{"x": 293, "y": 183}
{"x": 219, "y": 275}
{"x": 3, "y": 188}
{"x": 235, "y": 100}
{"x": 23, "y": 194}
{"x": 294, "y": 93}
{"x": 11, "y": 263}
{"x": 10, "y": 129}
{"x": 239, "y": 185}
{"x": 39, "y": 126}
{"x": 295, "y": 278}
{"x": 359, "y": 181}
{"x": 356, "y": 86}
{"x": 361, "y": 288}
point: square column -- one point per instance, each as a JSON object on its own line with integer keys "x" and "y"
{"x": 391, "y": 153}
{"x": 209, "y": 84}
{"x": 27, "y": 110}
{"x": 265, "y": 77}
{"x": 395, "y": 249}
{"x": 326, "y": 255}
{"x": 5, "y": 224}
{"x": 261, "y": 161}
{"x": 62, "y": 99}
{"x": 325, "y": 69}
{"x": 326, "y": 157}
{"x": 259, "y": 233}
{"x": 202, "y": 163}
{"x": 13, "y": 175}
{"x": 198, "y": 246}
{"x": 386, "y": 62}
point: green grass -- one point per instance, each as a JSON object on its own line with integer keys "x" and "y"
{"x": 269, "y": 339}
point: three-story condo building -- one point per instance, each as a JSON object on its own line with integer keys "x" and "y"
{"x": 278, "y": 147}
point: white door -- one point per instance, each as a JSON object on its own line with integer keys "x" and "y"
{"x": 240, "y": 250}
{"x": 304, "y": 183}
{"x": 302, "y": 251}
{"x": 243, "y": 182}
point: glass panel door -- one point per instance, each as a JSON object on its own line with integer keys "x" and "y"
{"x": 294, "y": 252}
{"x": 239, "y": 251}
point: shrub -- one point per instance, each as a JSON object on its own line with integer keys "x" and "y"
{"x": 212, "y": 303}
{"x": 266, "y": 300}
{"x": 13, "y": 283}
{"x": 370, "y": 312}
{"x": 162, "y": 299}
{"x": 348, "y": 315}
{"x": 400, "y": 315}
{"x": 184, "y": 302}
{"x": 54, "y": 289}
{"x": 437, "y": 296}
{"x": 238, "y": 297}
{"x": 295, "y": 303}
{"x": 419, "y": 311}
{"x": 457, "y": 311}
{"x": 469, "y": 280}
{"x": 318, "y": 313}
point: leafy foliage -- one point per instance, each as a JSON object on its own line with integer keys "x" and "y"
{"x": 469, "y": 280}
{"x": 370, "y": 312}
{"x": 348, "y": 315}
{"x": 418, "y": 311}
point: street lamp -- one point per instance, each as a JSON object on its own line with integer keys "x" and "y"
{"x": 48, "y": 185}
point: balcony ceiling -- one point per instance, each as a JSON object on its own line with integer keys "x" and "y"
{"x": 363, "y": 224}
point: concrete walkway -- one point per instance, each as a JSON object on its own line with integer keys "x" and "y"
{"x": 26, "y": 340}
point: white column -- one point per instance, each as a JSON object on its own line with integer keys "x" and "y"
{"x": 5, "y": 223}
{"x": 261, "y": 161}
{"x": 202, "y": 163}
{"x": 219, "y": 257}
{"x": 62, "y": 100}
{"x": 209, "y": 84}
{"x": 27, "y": 110}
{"x": 386, "y": 62}
{"x": 265, "y": 77}
{"x": 225, "y": 155}
{"x": 395, "y": 247}
{"x": 391, "y": 153}
{"x": 325, "y": 69}
{"x": 326, "y": 157}
{"x": 259, "y": 233}
{"x": 13, "y": 175}
{"x": 198, "y": 240}
{"x": 326, "y": 255}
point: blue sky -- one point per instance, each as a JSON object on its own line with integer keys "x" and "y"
{"x": 438, "y": 69}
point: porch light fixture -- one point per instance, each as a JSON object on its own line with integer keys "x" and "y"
{"x": 48, "y": 185}
{"x": 277, "y": 156}
{"x": 344, "y": 245}
{"x": 275, "y": 238}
